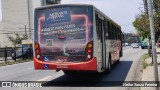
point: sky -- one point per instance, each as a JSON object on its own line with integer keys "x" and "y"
{"x": 0, "y": 12}
{"x": 122, "y": 12}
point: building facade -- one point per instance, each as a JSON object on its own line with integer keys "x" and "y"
{"x": 18, "y": 18}
{"x": 14, "y": 20}
{"x": 130, "y": 38}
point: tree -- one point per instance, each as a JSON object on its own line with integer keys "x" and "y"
{"x": 17, "y": 39}
{"x": 157, "y": 6}
{"x": 141, "y": 24}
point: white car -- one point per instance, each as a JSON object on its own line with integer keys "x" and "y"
{"x": 126, "y": 44}
{"x": 135, "y": 45}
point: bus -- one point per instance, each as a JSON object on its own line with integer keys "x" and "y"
{"x": 75, "y": 37}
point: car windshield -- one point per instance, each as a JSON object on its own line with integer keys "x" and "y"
{"x": 24, "y": 49}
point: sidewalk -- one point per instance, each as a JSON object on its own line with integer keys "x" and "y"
{"x": 2, "y": 59}
{"x": 148, "y": 73}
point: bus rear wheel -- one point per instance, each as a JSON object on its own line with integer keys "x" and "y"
{"x": 142, "y": 47}
{"x": 69, "y": 72}
{"x": 109, "y": 64}
{"x": 117, "y": 62}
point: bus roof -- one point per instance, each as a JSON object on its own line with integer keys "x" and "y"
{"x": 104, "y": 15}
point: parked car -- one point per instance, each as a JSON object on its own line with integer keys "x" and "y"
{"x": 27, "y": 53}
{"x": 145, "y": 43}
{"x": 135, "y": 45}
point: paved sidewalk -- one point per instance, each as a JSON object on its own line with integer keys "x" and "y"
{"x": 2, "y": 59}
{"x": 148, "y": 73}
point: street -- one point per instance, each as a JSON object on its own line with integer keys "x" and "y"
{"x": 124, "y": 71}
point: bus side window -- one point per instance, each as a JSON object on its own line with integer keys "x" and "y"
{"x": 116, "y": 33}
{"x": 120, "y": 34}
{"x": 100, "y": 29}
{"x": 112, "y": 32}
{"x": 97, "y": 26}
{"x": 109, "y": 30}
{"x": 106, "y": 30}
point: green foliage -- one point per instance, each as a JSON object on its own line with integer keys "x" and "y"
{"x": 141, "y": 22}
{"x": 142, "y": 25}
{"x": 145, "y": 56}
{"x": 157, "y": 6}
{"x": 17, "y": 39}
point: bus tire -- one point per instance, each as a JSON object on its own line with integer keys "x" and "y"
{"x": 142, "y": 47}
{"x": 109, "y": 64}
{"x": 68, "y": 72}
{"x": 117, "y": 61}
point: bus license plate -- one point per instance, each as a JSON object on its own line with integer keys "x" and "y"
{"x": 62, "y": 66}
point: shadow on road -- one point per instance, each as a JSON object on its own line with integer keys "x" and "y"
{"x": 115, "y": 78}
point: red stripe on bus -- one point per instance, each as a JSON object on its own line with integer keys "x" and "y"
{"x": 86, "y": 66}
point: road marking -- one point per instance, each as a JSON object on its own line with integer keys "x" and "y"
{"x": 30, "y": 68}
{"x": 43, "y": 79}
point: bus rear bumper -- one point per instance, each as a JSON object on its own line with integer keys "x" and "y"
{"x": 82, "y": 66}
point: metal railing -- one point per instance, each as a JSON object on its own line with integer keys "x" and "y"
{"x": 12, "y": 54}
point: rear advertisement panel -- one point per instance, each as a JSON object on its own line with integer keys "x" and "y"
{"x": 63, "y": 32}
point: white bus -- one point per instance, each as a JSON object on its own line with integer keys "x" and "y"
{"x": 75, "y": 37}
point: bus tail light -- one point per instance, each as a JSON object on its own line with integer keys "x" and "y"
{"x": 89, "y": 51}
{"x": 37, "y": 51}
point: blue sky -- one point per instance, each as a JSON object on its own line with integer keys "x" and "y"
{"x": 122, "y": 12}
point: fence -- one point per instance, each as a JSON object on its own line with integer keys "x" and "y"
{"x": 10, "y": 54}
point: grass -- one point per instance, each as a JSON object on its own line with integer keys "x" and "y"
{"x": 13, "y": 62}
{"x": 145, "y": 56}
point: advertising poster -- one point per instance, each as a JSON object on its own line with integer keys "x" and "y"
{"x": 63, "y": 33}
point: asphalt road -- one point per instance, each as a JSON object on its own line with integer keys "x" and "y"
{"x": 124, "y": 71}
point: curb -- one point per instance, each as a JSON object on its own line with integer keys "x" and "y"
{"x": 138, "y": 73}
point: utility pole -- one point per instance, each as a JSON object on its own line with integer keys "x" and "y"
{"x": 30, "y": 16}
{"x": 25, "y": 31}
{"x": 145, "y": 6}
{"x": 152, "y": 31}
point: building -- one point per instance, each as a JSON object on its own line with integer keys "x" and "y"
{"x": 17, "y": 20}
{"x": 130, "y": 38}
{"x": 14, "y": 19}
